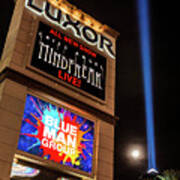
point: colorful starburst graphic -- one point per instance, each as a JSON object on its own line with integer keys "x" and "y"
{"x": 56, "y": 134}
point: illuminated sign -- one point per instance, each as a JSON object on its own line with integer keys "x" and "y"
{"x": 19, "y": 170}
{"x": 64, "y": 21}
{"x": 57, "y": 134}
{"x": 68, "y": 60}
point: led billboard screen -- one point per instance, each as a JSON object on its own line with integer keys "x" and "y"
{"x": 57, "y": 134}
{"x": 67, "y": 60}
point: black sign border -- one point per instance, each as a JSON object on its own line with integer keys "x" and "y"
{"x": 28, "y": 65}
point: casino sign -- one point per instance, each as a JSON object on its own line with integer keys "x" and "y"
{"x": 67, "y": 60}
{"x": 65, "y": 22}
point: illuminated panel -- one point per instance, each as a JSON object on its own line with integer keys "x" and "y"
{"x": 69, "y": 61}
{"x": 56, "y": 134}
{"x": 23, "y": 171}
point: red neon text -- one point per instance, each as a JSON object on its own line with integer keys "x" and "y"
{"x": 70, "y": 79}
{"x": 56, "y": 33}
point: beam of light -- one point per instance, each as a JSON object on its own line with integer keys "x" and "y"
{"x": 143, "y": 15}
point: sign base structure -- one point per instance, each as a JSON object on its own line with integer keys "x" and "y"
{"x": 57, "y": 82}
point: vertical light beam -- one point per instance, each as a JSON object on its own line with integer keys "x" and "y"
{"x": 143, "y": 15}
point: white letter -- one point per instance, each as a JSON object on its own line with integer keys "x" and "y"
{"x": 61, "y": 138}
{"x": 50, "y": 134}
{"x": 44, "y": 142}
{"x": 91, "y": 78}
{"x": 48, "y": 121}
{"x": 77, "y": 71}
{"x": 71, "y": 141}
{"x": 64, "y": 63}
{"x": 98, "y": 80}
{"x": 59, "y": 146}
{"x": 73, "y": 130}
{"x": 63, "y": 127}
{"x": 57, "y": 57}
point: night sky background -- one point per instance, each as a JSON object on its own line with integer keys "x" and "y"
{"x": 121, "y": 15}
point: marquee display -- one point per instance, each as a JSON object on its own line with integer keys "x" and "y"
{"x": 57, "y": 134}
{"x": 68, "y": 60}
